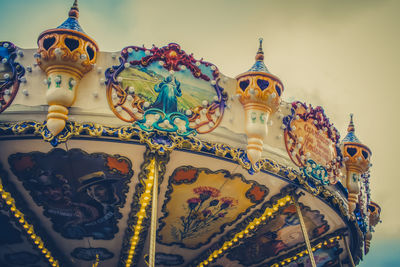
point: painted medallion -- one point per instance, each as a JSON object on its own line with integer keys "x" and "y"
{"x": 165, "y": 89}
{"x": 312, "y": 142}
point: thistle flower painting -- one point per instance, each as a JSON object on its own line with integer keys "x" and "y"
{"x": 204, "y": 209}
{"x": 201, "y": 202}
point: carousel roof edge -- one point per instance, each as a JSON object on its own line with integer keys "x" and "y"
{"x": 190, "y": 143}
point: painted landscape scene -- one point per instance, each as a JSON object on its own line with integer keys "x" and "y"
{"x": 143, "y": 80}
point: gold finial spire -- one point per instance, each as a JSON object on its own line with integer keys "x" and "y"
{"x": 351, "y": 128}
{"x": 260, "y": 52}
{"x": 74, "y": 11}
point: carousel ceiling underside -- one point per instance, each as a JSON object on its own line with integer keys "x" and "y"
{"x": 83, "y": 199}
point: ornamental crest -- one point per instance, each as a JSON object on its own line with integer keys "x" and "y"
{"x": 312, "y": 142}
{"x": 165, "y": 89}
{"x": 11, "y": 74}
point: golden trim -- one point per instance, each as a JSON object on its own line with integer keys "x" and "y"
{"x": 144, "y": 202}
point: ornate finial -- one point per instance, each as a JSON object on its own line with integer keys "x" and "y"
{"x": 260, "y": 52}
{"x": 351, "y": 124}
{"x": 74, "y": 11}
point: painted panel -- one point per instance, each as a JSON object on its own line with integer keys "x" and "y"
{"x": 80, "y": 192}
{"x": 280, "y": 234}
{"x": 165, "y": 89}
{"x": 201, "y": 202}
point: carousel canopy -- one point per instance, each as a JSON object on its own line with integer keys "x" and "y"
{"x": 151, "y": 156}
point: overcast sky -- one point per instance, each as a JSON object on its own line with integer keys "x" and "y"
{"x": 342, "y": 55}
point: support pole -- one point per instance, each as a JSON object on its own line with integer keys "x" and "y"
{"x": 348, "y": 251}
{"x": 305, "y": 234}
{"x": 153, "y": 225}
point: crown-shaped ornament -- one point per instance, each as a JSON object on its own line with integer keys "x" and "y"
{"x": 65, "y": 53}
{"x": 259, "y": 93}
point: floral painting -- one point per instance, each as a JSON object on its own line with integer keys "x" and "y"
{"x": 204, "y": 209}
{"x": 280, "y": 234}
{"x": 80, "y": 193}
{"x": 201, "y": 202}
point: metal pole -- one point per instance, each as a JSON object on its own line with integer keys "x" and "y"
{"x": 305, "y": 234}
{"x": 348, "y": 251}
{"x": 153, "y": 226}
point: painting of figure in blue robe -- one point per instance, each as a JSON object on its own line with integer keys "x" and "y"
{"x": 168, "y": 92}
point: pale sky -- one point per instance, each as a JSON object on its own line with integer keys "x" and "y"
{"x": 342, "y": 55}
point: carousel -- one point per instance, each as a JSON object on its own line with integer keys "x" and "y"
{"x": 152, "y": 157}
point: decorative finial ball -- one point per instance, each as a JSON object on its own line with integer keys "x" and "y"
{"x": 73, "y": 13}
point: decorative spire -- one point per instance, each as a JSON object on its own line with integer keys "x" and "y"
{"x": 259, "y": 66}
{"x": 259, "y": 93}
{"x": 260, "y": 52}
{"x": 73, "y": 53}
{"x": 351, "y": 137}
{"x": 74, "y": 11}
{"x": 71, "y": 23}
{"x": 351, "y": 124}
{"x": 357, "y": 157}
